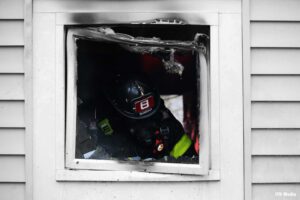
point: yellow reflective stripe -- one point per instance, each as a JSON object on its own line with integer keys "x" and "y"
{"x": 181, "y": 146}
{"x": 106, "y": 127}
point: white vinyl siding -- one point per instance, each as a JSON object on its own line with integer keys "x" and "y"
{"x": 11, "y": 59}
{"x": 16, "y": 144}
{"x": 12, "y": 116}
{"x": 12, "y": 191}
{"x": 275, "y": 10}
{"x": 12, "y": 168}
{"x": 275, "y": 191}
{"x": 11, "y": 86}
{"x": 276, "y": 169}
{"x": 275, "y": 34}
{"x": 11, "y": 9}
{"x": 275, "y": 97}
{"x": 275, "y": 114}
{"x": 12, "y": 33}
{"x": 275, "y": 142}
{"x": 275, "y": 60}
{"x": 276, "y": 88}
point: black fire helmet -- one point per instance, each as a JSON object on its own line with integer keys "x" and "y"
{"x": 133, "y": 98}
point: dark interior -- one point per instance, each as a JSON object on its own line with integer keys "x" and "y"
{"x": 99, "y": 64}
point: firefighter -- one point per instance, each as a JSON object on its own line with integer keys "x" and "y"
{"x": 142, "y": 113}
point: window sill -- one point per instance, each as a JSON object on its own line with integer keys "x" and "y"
{"x": 66, "y": 175}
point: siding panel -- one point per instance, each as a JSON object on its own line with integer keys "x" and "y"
{"x": 276, "y": 88}
{"x": 275, "y": 142}
{"x": 12, "y": 114}
{"x": 276, "y": 10}
{"x": 276, "y": 191}
{"x": 12, "y": 141}
{"x": 275, "y": 61}
{"x": 11, "y": 59}
{"x": 12, "y": 191}
{"x": 275, "y": 169}
{"x": 11, "y": 9}
{"x": 12, "y": 169}
{"x": 11, "y": 32}
{"x": 275, "y": 80}
{"x": 11, "y": 87}
{"x": 276, "y": 115}
{"x": 275, "y": 34}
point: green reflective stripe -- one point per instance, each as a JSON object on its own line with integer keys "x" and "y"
{"x": 181, "y": 146}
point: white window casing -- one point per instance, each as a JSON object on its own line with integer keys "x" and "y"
{"x": 69, "y": 168}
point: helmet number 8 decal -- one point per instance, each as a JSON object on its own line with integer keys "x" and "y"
{"x": 144, "y": 104}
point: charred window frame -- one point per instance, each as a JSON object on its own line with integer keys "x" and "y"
{"x": 201, "y": 168}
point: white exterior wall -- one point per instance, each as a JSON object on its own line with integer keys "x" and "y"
{"x": 273, "y": 75}
{"x": 227, "y": 155}
{"x": 271, "y": 103}
{"x": 12, "y": 117}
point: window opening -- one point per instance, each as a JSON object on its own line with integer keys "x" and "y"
{"x": 138, "y": 92}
